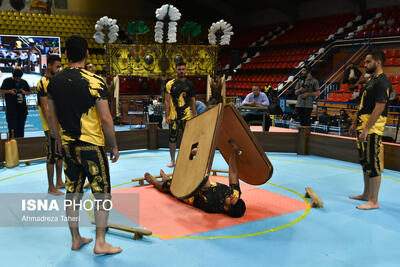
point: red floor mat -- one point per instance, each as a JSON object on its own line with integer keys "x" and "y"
{"x": 164, "y": 215}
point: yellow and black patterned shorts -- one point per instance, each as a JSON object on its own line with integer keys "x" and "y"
{"x": 83, "y": 160}
{"x": 51, "y": 149}
{"x": 174, "y": 127}
{"x": 370, "y": 155}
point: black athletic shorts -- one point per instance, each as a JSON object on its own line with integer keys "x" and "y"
{"x": 83, "y": 160}
{"x": 174, "y": 127}
{"x": 369, "y": 153}
{"x": 51, "y": 149}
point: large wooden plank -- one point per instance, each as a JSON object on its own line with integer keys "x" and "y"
{"x": 277, "y": 142}
{"x": 333, "y": 147}
{"x": 392, "y": 156}
{"x": 253, "y": 164}
{"x": 191, "y": 173}
{"x": 31, "y": 147}
{"x": 135, "y": 139}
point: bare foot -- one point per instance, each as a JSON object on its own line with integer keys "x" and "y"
{"x": 359, "y": 197}
{"x": 60, "y": 184}
{"x": 172, "y": 164}
{"x": 106, "y": 249}
{"x": 149, "y": 178}
{"x": 55, "y": 191}
{"x": 164, "y": 177}
{"x": 78, "y": 243}
{"x": 368, "y": 206}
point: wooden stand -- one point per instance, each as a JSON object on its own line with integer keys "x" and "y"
{"x": 317, "y": 202}
{"x": 214, "y": 172}
{"x": 138, "y": 233}
{"x": 152, "y": 137}
{"x": 208, "y": 131}
{"x": 29, "y": 161}
{"x": 302, "y": 140}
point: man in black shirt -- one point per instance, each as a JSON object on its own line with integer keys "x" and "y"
{"x": 369, "y": 126}
{"x": 180, "y": 106}
{"x": 80, "y": 119}
{"x": 15, "y": 89}
{"x": 212, "y": 197}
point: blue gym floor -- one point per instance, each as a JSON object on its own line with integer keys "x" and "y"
{"x": 336, "y": 235}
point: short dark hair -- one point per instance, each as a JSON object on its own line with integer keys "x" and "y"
{"x": 76, "y": 47}
{"x": 180, "y": 63}
{"x": 308, "y": 68}
{"x": 17, "y": 73}
{"x": 377, "y": 55}
{"x": 238, "y": 209}
{"x": 52, "y": 59}
{"x": 256, "y": 85}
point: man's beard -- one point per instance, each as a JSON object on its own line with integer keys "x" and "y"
{"x": 371, "y": 70}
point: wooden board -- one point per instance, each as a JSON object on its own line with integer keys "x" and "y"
{"x": 191, "y": 174}
{"x": 317, "y": 202}
{"x": 29, "y": 161}
{"x": 139, "y": 233}
{"x": 254, "y": 166}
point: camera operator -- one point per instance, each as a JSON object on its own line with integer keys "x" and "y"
{"x": 15, "y": 89}
{"x": 306, "y": 88}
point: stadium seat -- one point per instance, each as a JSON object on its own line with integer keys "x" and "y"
{"x": 395, "y": 79}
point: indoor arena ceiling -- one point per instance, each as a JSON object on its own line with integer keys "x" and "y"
{"x": 235, "y": 11}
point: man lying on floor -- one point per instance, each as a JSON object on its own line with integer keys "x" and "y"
{"x": 212, "y": 197}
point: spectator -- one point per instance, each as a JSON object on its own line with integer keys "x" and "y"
{"x": 90, "y": 67}
{"x": 156, "y": 111}
{"x": 352, "y": 76}
{"x": 306, "y": 88}
{"x": 274, "y": 107}
{"x": 15, "y": 89}
{"x": 344, "y": 118}
{"x": 200, "y": 107}
{"x": 23, "y": 58}
{"x": 324, "y": 117}
{"x": 257, "y": 99}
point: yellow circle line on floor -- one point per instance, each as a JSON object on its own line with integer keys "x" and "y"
{"x": 21, "y": 174}
{"x": 301, "y": 217}
{"x": 294, "y": 161}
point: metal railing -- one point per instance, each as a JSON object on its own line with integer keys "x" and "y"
{"x": 337, "y": 71}
{"x": 342, "y": 43}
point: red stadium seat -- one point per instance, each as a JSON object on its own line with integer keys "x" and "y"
{"x": 390, "y": 62}
{"x": 390, "y": 53}
{"x": 395, "y": 79}
{"x": 397, "y": 88}
{"x": 344, "y": 88}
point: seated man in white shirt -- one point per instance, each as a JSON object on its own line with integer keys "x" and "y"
{"x": 256, "y": 99}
